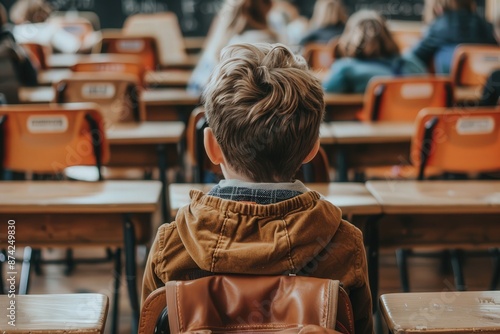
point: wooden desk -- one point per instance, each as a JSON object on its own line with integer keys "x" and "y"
{"x": 69, "y": 214}
{"x": 164, "y": 104}
{"x": 82, "y": 313}
{"x": 146, "y": 144}
{"x": 433, "y": 214}
{"x": 174, "y": 78}
{"x": 367, "y": 144}
{"x": 342, "y": 107}
{"x": 442, "y": 312}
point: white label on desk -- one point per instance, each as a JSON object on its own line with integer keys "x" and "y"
{"x": 475, "y": 125}
{"x": 47, "y": 124}
{"x": 416, "y": 91}
{"x": 135, "y": 45}
{"x": 98, "y": 90}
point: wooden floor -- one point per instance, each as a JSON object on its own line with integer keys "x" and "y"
{"x": 424, "y": 272}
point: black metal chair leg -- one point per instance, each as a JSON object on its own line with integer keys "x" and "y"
{"x": 131, "y": 271}
{"x": 37, "y": 261}
{"x": 341, "y": 165}
{"x": 2, "y": 260}
{"x": 24, "y": 281}
{"x": 162, "y": 166}
{"x": 402, "y": 257}
{"x": 496, "y": 269}
{"x": 70, "y": 262}
{"x": 116, "y": 292}
{"x": 372, "y": 239}
{"x": 456, "y": 263}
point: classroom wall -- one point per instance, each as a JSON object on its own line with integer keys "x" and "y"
{"x": 195, "y": 15}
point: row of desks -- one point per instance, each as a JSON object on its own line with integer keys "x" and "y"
{"x": 406, "y": 214}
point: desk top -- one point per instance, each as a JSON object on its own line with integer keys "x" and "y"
{"x": 344, "y": 99}
{"x": 79, "y": 197}
{"x": 351, "y": 198}
{"x": 442, "y": 312}
{"x": 82, "y": 313}
{"x": 370, "y": 132}
{"x": 145, "y": 133}
{"x": 170, "y": 97}
{"x": 434, "y": 197}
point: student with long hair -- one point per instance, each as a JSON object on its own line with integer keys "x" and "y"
{"x": 452, "y": 22}
{"x": 367, "y": 49}
{"x": 239, "y": 21}
{"x": 328, "y": 21}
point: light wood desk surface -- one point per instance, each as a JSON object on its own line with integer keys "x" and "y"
{"x": 169, "y": 97}
{"x": 434, "y": 197}
{"x": 351, "y": 198}
{"x": 442, "y": 312}
{"x": 145, "y": 133}
{"x": 44, "y": 197}
{"x": 82, "y": 313}
{"x": 370, "y": 132}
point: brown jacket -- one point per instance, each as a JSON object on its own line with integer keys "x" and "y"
{"x": 304, "y": 234}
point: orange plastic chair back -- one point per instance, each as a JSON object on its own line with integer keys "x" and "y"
{"x": 145, "y": 47}
{"x": 400, "y": 99}
{"x": 117, "y": 64}
{"x": 49, "y": 138}
{"x": 472, "y": 64}
{"x": 37, "y": 54}
{"x": 320, "y": 56}
{"x": 117, "y": 94}
{"x": 406, "y": 39}
{"x": 457, "y": 140}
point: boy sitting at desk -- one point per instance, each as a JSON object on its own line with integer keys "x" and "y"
{"x": 264, "y": 111}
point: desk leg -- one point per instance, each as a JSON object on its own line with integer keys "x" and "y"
{"x": 131, "y": 270}
{"x": 341, "y": 165}
{"x": 162, "y": 166}
{"x": 116, "y": 291}
{"x": 372, "y": 226}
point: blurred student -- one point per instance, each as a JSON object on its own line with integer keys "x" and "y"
{"x": 452, "y": 22}
{"x": 16, "y": 67}
{"x": 31, "y": 26}
{"x": 239, "y": 21}
{"x": 367, "y": 49}
{"x": 264, "y": 110}
{"x": 328, "y": 22}
{"x": 286, "y": 20}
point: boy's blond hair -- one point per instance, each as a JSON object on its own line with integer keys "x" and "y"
{"x": 265, "y": 109}
{"x": 366, "y": 36}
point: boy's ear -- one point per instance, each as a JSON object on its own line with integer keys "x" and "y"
{"x": 212, "y": 147}
{"x": 313, "y": 152}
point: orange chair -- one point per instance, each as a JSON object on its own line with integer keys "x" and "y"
{"x": 50, "y": 138}
{"x": 118, "y": 94}
{"x": 400, "y": 99}
{"x": 37, "y": 54}
{"x": 406, "y": 39}
{"x": 472, "y": 64}
{"x": 144, "y": 47}
{"x": 456, "y": 141}
{"x": 320, "y": 56}
{"x": 112, "y": 63}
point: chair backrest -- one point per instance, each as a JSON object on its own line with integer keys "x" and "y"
{"x": 144, "y": 47}
{"x": 164, "y": 27}
{"x": 320, "y": 56}
{"x": 248, "y": 304}
{"x": 49, "y": 138}
{"x": 37, "y": 54}
{"x": 118, "y": 94}
{"x": 315, "y": 171}
{"x": 472, "y": 64}
{"x": 112, "y": 63}
{"x": 457, "y": 140}
{"x": 400, "y": 99}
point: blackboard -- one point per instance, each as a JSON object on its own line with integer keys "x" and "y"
{"x": 195, "y": 16}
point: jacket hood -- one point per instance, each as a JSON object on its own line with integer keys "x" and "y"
{"x": 226, "y": 236}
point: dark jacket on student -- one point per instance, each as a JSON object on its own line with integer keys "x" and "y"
{"x": 304, "y": 234}
{"x": 323, "y": 35}
{"x": 16, "y": 68}
{"x": 449, "y": 30}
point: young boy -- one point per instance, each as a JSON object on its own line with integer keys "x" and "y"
{"x": 264, "y": 110}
